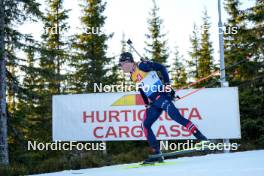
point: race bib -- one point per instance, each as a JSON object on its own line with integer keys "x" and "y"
{"x": 150, "y": 84}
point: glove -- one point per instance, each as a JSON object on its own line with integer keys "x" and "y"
{"x": 172, "y": 92}
{"x": 148, "y": 105}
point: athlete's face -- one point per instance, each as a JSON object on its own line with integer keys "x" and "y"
{"x": 127, "y": 66}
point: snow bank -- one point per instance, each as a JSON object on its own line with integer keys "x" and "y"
{"x": 249, "y": 163}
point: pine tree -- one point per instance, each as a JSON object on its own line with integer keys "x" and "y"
{"x": 234, "y": 47}
{"x": 11, "y": 12}
{"x": 255, "y": 33}
{"x": 51, "y": 61}
{"x": 194, "y": 53}
{"x": 251, "y": 82}
{"x": 178, "y": 72}
{"x": 156, "y": 48}
{"x": 22, "y": 120}
{"x": 90, "y": 61}
{"x": 205, "y": 60}
{"x": 54, "y": 46}
{"x": 247, "y": 42}
{"x": 30, "y": 96}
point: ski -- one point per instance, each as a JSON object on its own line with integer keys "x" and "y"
{"x": 139, "y": 165}
{"x": 203, "y": 146}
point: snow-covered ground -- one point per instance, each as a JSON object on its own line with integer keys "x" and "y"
{"x": 250, "y": 163}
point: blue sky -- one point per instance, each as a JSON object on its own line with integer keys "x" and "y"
{"x": 130, "y": 17}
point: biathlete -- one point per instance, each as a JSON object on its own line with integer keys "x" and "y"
{"x": 156, "y": 99}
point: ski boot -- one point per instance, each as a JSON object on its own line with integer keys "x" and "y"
{"x": 158, "y": 159}
{"x": 195, "y": 131}
{"x": 199, "y": 135}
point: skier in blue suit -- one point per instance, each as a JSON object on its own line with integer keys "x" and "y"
{"x": 156, "y": 99}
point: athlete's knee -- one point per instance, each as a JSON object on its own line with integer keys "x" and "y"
{"x": 175, "y": 115}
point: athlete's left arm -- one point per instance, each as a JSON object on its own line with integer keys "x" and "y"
{"x": 149, "y": 66}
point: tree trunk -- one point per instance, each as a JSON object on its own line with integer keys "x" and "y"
{"x": 3, "y": 116}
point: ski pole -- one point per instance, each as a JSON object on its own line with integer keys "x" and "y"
{"x": 216, "y": 73}
{"x": 204, "y": 78}
{"x": 129, "y": 42}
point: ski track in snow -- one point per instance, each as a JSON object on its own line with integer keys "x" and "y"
{"x": 249, "y": 163}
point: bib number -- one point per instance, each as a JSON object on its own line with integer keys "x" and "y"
{"x": 150, "y": 84}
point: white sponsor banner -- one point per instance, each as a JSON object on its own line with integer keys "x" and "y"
{"x": 118, "y": 116}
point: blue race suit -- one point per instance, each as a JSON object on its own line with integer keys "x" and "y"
{"x": 161, "y": 101}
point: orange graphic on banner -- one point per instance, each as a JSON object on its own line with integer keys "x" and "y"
{"x": 128, "y": 100}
